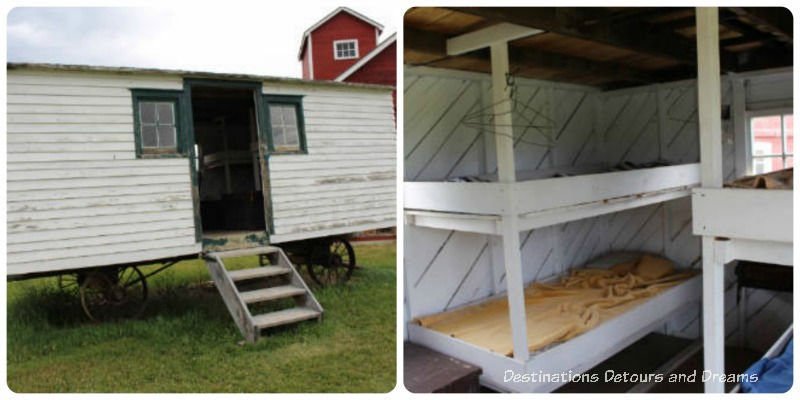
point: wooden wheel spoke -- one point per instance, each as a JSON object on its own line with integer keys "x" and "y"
{"x": 106, "y": 293}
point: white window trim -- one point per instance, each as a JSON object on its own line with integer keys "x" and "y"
{"x": 749, "y": 115}
{"x": 355, "y": 45}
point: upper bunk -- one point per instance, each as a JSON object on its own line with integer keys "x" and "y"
{"x": 753, "y": 213}
{"x": 478, "y": 206}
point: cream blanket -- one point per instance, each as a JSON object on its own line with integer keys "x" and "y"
{"x": 560, "y": 311}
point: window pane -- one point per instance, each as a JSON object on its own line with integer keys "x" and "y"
{"x": 766, "y": 133}
{"x": 165, "y": 114}
{"x": 763, "y": 165}
{"x": 275, "y": 115}
{"x": 147, "y": 112}
{"x": 277, "y": 135}
{"x": 289, "y": 115}
{"x": 166, "y": 136}
{"x": 789, "y": 162}
{"x": 788, "y": 130}
{"x": 292, "y": 136}
{"x": 346, "y": 49}
{"x": 149, "y": 138}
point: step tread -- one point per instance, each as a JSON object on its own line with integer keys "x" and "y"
{"x": 283, "y": 317}
{"x": 258, "y": 272}
{"x": 277, "y": 292}
{"x": 253, "y": 251}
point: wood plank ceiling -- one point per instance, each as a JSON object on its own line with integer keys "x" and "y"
{"x": 603, "y": 47}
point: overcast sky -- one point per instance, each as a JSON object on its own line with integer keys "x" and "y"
{"x": 261, "y": 41}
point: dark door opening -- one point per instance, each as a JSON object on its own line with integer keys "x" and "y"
{"x": 229, "y": 172}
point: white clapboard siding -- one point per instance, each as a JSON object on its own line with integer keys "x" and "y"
{"x": 346, "y": 182}
{"x": 100, "y": 201}
{"x": 77, "y": 195}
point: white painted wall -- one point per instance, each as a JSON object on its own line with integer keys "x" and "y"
{"x": 346, "y": 182}
{"x": 445, "y": 269}
{"x": 77, "y": 195}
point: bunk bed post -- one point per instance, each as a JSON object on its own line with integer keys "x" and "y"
{"x": 506, "y": 172}
{"x": 710, "y": 127}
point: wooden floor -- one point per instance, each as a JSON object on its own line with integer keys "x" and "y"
{"x": 428, "y": 371}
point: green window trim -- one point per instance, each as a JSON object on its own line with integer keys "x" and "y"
{"x": 162, "y": 96}
{"x": 297, "y": 103}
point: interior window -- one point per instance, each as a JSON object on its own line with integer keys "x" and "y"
{"x": 772, "y": 142}
{"x": 344, "y": 49}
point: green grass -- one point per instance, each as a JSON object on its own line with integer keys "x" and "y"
{"x": 187, "y": 342}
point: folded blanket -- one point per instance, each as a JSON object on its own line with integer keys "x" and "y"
{"x": 559, "y": 311}
{"x": 783, "y": 179}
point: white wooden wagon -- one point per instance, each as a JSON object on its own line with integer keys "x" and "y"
{"x": 113, "y": 168}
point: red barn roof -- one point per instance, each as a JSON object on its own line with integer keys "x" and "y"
{"x": 386, "y": 44}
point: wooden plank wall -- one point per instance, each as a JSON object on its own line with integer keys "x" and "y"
{"x": 444, "y": 269}
{"x": 77, "y": 195}
{"x": 346, "y": 183}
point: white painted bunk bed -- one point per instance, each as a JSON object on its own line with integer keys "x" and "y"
{"x": 747, "y": 224}
{"x": 735, "y": 224}
{"x": 479, "y": 206}
{"x": 507, "y": 207}
{"x": 485, "y": 207}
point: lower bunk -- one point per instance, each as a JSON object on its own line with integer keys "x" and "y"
{"x": 573, "y": 324}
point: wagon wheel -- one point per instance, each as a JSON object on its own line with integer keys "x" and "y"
{"x": 69, "y": 283}
{"x": 109, "y": 293}
{"x": 337, "y": 267}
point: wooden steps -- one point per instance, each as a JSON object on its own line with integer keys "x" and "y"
{"x": 273, "y": 293}
{"x": 276, "y": 281}
{"x": 258, "y": 272}
{"x": 283, "y": 317}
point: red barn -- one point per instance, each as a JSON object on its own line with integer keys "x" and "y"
{"x": 336, "y": 42}
{"x": 343, "y": 47}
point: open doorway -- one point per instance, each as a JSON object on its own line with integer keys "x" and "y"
{"x": 229, "y": 172}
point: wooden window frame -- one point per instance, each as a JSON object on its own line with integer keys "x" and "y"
{"x": 297, "y": 103}
{"x": 151, "y": 95}
{"x": 750, "y": 115}
{"x": 355, "y": 47}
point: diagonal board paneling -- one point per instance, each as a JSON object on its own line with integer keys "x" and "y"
{"x": 554, "y": 125}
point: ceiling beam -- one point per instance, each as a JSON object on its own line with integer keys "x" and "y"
{"x": 500, "y": 33}
{"x": 633, "y": 34}
{"x": 636, "y": 35}
{"x": 774, "y": 20}
{"x": 434, "y": 45}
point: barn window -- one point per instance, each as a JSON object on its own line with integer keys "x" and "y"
{"x": 157, "y": 122}
{"x": 345, "y": 49}
{"x": 286, "y": 125}
{"x": 771, "y": 142}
